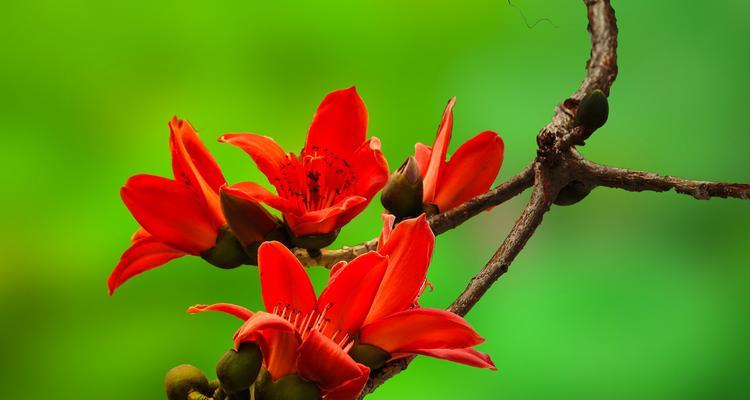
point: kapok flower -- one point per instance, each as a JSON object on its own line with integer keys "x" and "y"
{"x": 180, "y": 216}
{"x": 395, "y": 326}
{"x": 306, "y": 337}
{"x": 331, "y": 181}
{"x": 470, "y": 171}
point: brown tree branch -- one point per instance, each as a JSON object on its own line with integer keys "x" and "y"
{"x": 601, "y": 71}
{"x": 638, "y": 181}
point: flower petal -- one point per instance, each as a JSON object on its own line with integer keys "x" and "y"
{"x": 350, "y": 293}
{"x": 255, "y": 192}
{"x": 339, "y": 125}
{"x": 467, "y": 356}
{"x": 194, "y": 166}
{"x": 370, "y": 168}
{"x": 283, "y": 279}
{"x": 231, "y": 309}
{"x": 267, "y": 154}
{"x": 350, "y": 389}
{"x": 422, "y": 154}
{"x": 171, "y": 212}
{"x": 277, "y": 341}
{"x": 439, "y": 150}
{"x": 471, "y": 170}
{"x": 409, "y": 250}
{"x": 420, "y": 329}
{"x": 145, "y": 253}
{"x": 322, "y": 361}
{"x": 327, "y": 219}
{"x": 389, "y": 220}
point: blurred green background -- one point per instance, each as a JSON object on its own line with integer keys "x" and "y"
{"x": 621, "y": 296}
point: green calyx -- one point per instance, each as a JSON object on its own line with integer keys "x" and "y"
{"x": 228, "y": 252}
{"x": 186, "y": 382}
{"x": 402, "y": 194}
{"x": 237, "y": 370}
{"x": 572, "y": 193}
{"x": 372, "y": 356}
{"x": 592, "y": 112}
{"x": 290, "y": 387}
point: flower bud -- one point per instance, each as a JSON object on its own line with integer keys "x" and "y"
{"x": 572, "y": 193}
{"x": 314, "y": 242}
{"x": 286, "y": 388}
{"x": 249, "y": 220}
{"x": 238, "y": 369}
{"x": 185, "y": 382}
{"x": 372, "y": 356}
{"x": 402, "y": 194}
{"x": 592, "y": 112}
{"x": 228, "y": 252}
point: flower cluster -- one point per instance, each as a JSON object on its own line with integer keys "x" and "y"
{"x": 305, "y": 346}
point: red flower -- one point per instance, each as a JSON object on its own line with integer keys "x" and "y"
{"x": 331, "y": 181}
{"x": 299, "y": 334}
{"x": 178, "y": 216}
{"x": 368, "y": 301}
{"x": 395, "y": 323}
{"x": 470, "y": 172}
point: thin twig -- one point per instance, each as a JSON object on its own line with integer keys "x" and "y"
{"x": 440, "y": 222}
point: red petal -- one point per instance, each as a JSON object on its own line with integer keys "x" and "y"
{"x": 171, "y": 212}
{"x": 322, "y": 361}
{"x": 194, "y": 166}
{"x": 467, "y": 356}
{"x": 328, "y": 219}
{"x": 420, "y": 329}
{"x": 339, "y": 125}
{"x": 255, "y": 192}
{"x": 277, "y": 340}
{"x": 439, "y": 150}
{"x": 231, "y": 309}
{"x": 422, "y": 154}
{"x": 370, "y": 168}
{"x": 409, "y": 249}
{"x": 471, "y": 170}
{"x": 389, "y": 221}
{"x": 267, "y": 154}
{"x": 350, "y": 389}
{"x": 283, "y": 279}
{"x": 350, "y": 293}
{"x": 144, "y": 254}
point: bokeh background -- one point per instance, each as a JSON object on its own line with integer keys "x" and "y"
{"x": 621, "y": 296}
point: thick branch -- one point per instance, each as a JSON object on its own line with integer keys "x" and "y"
{"x": 638, "y": 181}
{"x": 525, "y": 226}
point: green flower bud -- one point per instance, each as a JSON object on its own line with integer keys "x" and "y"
{"x": 314, "y": 242}
{"x": 402, "y": 194}
{"x": 237, "y": 370}
{"x": 592, "y": 112}
{"x": 572, "y": 193}
{"x": 228, "y": 252}
{"x": 290, "y": 387}
{"x": 372, "y": 356}
{"x": 185, "y": 382}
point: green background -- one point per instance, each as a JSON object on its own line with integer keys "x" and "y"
{"x": 621, "y": 296}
